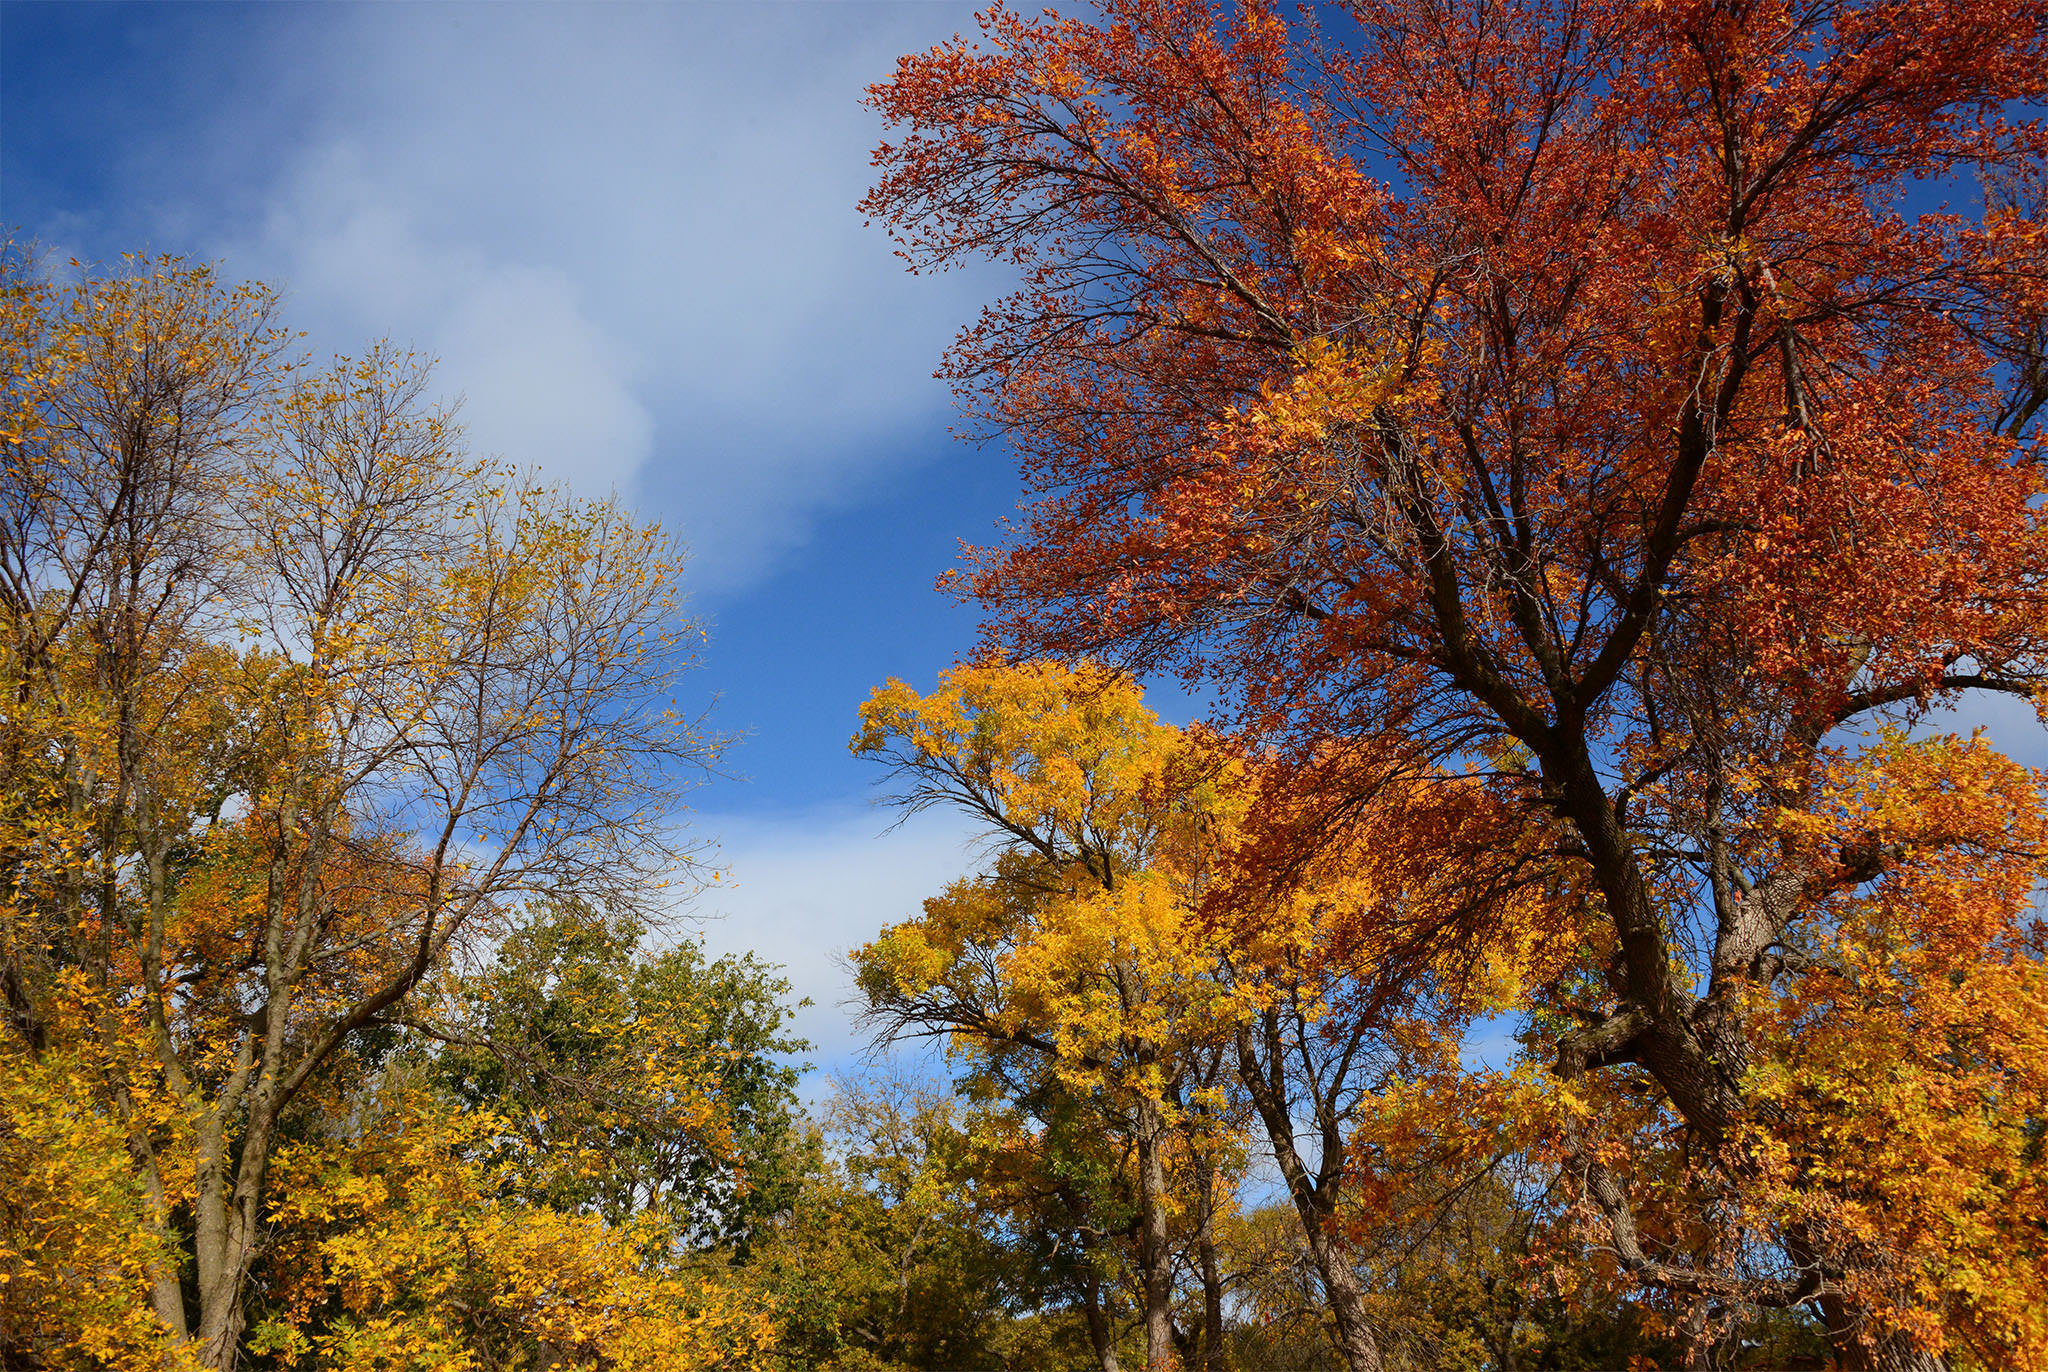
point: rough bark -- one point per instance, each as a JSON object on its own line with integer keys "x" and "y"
{"x": 1155, "y": 1257}
{"x": 166, "y": 1294}
{"x": 1883, "y": 1353}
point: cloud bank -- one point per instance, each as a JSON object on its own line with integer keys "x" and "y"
{"x": 804, "y": 891}
{"x": 627, "y": 232}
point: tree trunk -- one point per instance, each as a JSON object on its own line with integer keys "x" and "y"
{"x": 166, "y": 1294}
{"x": 1697, "y": 1050}
{"x": 1314, "y": 1206}
{"x": 1100, "y": 1336}
{"x": 221, "y": 1315}
{"x": 224, "y": 1246}
{"x": 1212, "y": 1288}
{"x": 1155, "y": 1260}
{"x": 1355, "y": 1341}
{"x": 1881, "y": 1353}
{"x": 230, "y": 1226}
{"x": 1697, "y": 1075}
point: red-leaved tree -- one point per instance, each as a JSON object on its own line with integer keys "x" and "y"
{"x": 1633, "y": 403}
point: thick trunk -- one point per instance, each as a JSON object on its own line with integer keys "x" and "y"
{"x": 1504, "y": 1355}
{"x": 1155, "y": 1260}
{"x": 1355, "y": 1341}
{"x": 1699, "y": 1343}
{"x": 210, "y": 1216}
{"x": 221, "y": 1317}
{"x": 1697, "y": 1075}
{"x": 168, "y": 1300}
{"x": 1697, "y": 1049}
{"x": 230, "y": 1229}
{"x": 1878, "y": 1353}
{"x": 230, "y": 1217}
{"x": 166, "y": 1295}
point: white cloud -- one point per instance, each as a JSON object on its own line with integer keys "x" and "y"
{"x": 805, "y": 890}
{"x": 629, "y": 235}
{"x": 543, "y": 383}
{"x": 546, "y": 386}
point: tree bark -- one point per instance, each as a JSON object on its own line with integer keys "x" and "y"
{"x": 1155, "y": 1259}
{"x": 1314, "y": 1202}
{"x": 1100, "y": 1336}
{"x": 1212, "y": 1282}
{"x": 166, "y": 1293}
{"x": 227, "y": 1237}
{"x": 1882, "y": 1353}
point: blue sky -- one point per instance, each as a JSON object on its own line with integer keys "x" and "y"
{"x": 628, "y": 233}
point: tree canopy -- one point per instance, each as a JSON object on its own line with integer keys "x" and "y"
{"x": 1583, "y": 460}
{"x": 1592, "y": 402}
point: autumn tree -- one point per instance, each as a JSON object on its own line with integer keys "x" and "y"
{"x": 303, "y": 701}
{"x": 1349, "y": 928}
{"x": 895, "y": 1253}
{"x": 1631, "y": 407}
{"x": 78, "y": 1239}
{"x": 1047, "y": 1160}
{"x": 408, "y": 1241}
{"x": 1250, "y": 985}
{"x": 1076, "y": 960}
{"x": 632, "y": 1078}
{"x": 473, "y": 1189}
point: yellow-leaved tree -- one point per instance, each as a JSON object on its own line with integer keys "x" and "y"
{"x": 302, "y": 703}
{"x": 1075, "y": 966}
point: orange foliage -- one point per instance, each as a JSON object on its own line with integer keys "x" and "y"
{"x": 1579, "y": 399}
